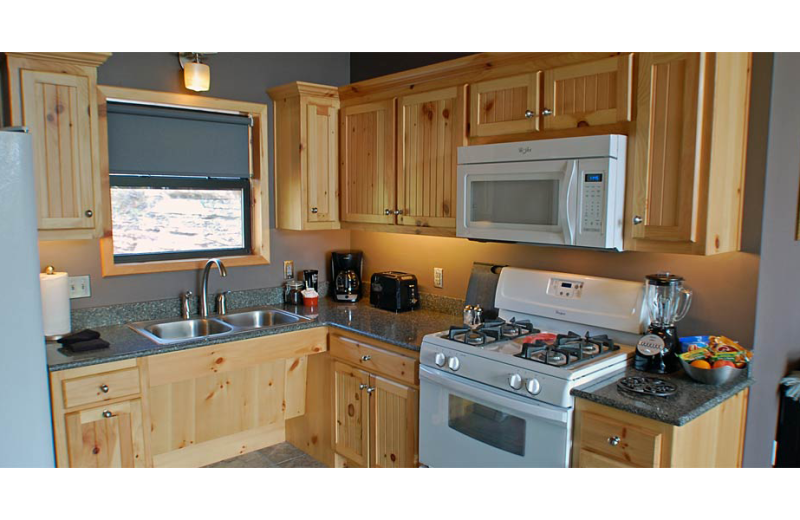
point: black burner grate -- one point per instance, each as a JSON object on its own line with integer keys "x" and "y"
{"x": 647, "y": 386}
{"x": 491, "y": 331}
{"x": 567, "y": 348}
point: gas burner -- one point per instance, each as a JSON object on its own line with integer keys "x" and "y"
{"x": 647, "y": 386}
{"x": 567, "y": 349}
{"x": 491, "y": 331}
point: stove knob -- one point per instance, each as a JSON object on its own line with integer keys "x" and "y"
{"x": 533, "y": 387}
{"x": 515, "y": 381}
{"x": 440, "y": 359}
{"x": 454, "y": 363}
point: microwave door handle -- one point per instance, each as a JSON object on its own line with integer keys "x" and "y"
{"x": 569, "y": 227}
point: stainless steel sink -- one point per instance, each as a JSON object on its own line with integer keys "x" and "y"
{"x": 261, "y": 318}
{"x": 188, "y": 329}
{"x": 178, "y": 330}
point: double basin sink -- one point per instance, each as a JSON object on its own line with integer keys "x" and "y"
{"x": 175, "y": 331}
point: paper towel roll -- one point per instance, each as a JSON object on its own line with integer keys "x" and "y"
{"x": 55, "y": 303}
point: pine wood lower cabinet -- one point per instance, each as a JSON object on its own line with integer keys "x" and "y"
{"x": 375, "y": 419}
{"x": 107, "y": 436}
{"x": 609, "y": 438}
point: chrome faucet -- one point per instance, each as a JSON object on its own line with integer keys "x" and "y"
{"x": 204, "y": 290}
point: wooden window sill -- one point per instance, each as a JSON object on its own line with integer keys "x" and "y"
{"x": 109, "y": 268}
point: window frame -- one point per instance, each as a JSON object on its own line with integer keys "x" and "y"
{"x": 259, "y": 253}
{"x": 207, "y": 183}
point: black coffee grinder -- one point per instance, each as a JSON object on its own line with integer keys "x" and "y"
{"x": 667, "y": 302}
{"x": 346, "y": 275}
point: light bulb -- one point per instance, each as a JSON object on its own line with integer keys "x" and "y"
{"x": 197, "y": 76}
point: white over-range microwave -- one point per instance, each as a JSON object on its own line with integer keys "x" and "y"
{"x": 568, "y": 192}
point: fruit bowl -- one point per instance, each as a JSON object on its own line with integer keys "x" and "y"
{"x": 712, "y": 376}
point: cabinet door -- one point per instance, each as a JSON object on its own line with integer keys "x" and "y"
{"x": 505, "y": 106}
{"x": 351, "y": 413}
{"x": 666, "y": 166}
{"x": 56, "y": 110}
{"x": 393, "y": 418}
{"x": 109, "y": 436}
{"x": 431, "y": 130}
{"x": 322, "y": 153}
{"x": 589, "y": 94}
{"x": 368, "y": 163}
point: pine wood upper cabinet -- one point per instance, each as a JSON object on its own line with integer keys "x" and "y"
{"x": 110, "y": 436}
{"x": 55, "y": 97}
{"x": 306, "y": 137}
{"x": 431, "y": 128}
{"x": 588, "y": 94}
{"x": 505, "y": 106}
{"x": 687, "y": 179}
{"x": 368, "y": 177}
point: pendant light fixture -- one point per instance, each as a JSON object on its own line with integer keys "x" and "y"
{"x": 196, "y": 75}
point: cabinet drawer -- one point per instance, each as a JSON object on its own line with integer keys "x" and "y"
{"x": 590, "y": 459}
{"x": 632, "y": 445}
{"x": 100, "y": 387}
{"x": 374, "y": 360}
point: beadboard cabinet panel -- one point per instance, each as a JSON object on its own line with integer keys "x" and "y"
{"x": 505, "y": 106}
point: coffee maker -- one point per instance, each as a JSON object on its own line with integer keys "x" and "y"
{"x": 667, "y": 302}
{"x": 346, "y": 275}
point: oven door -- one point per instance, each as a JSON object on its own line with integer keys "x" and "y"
{"x": 464, "y": 424}
{"x": 528, "y": 201}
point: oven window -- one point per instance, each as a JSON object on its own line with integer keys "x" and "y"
{"x": 487, "y": 425}
{"x": 527, "y": 202}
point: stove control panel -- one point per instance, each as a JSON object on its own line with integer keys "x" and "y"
{"x": 564, "y": 288}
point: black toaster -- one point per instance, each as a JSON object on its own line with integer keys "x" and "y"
{"x": 394, "y": 291}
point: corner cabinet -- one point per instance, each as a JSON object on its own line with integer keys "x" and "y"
{"x": 54, "y": 95}
{"x": 687, "y": 179}
{"x": 306, "y": 133}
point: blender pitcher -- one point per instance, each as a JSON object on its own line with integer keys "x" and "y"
{"x": 668, "y": 302}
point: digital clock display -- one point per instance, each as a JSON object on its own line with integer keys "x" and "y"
{"x": 594, "y": 177}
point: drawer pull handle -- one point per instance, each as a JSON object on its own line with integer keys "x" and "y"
{"x": 362, "y": 386}
{"x": 366, "y": 358}
{"x": 107, "y": 414}
{"x": 104, "y": 388}
{"x": 613, "y": 440}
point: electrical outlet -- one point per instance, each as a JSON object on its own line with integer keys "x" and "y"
{"x": 438, "y": 277}
{"x": 288, "y": 269}
{"x": 80, "y": 287}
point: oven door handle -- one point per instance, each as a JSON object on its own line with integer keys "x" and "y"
{"x": 525, "y": 407}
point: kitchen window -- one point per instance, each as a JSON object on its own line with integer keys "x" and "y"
{"x": 186, "y": 182}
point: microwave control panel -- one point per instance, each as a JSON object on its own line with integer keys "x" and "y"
{"x": 593, "y": 202}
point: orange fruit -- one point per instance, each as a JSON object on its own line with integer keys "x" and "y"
{"x": 700, "y": 363}
{"x": 723, "y": 363}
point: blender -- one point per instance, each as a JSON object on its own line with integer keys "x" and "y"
{"x": 667, "y": 301}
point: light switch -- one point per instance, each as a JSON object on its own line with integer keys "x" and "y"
{"x": 80, "y": 287}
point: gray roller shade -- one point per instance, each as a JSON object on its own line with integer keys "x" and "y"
{"x": 171, "y": 141}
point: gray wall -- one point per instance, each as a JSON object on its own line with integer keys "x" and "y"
{"x": 239, "y": 76}
{"x": 368, "y": 65}
{"x": 777, "y": 328}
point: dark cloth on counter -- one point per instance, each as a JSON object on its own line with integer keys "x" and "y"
{"x": 84, "y": 346}
{"x": 84, "y": 335}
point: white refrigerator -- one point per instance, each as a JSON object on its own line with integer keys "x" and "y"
{"x": 26, "y": 435}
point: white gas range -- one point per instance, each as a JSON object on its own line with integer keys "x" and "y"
{"x": 499, "y": 395}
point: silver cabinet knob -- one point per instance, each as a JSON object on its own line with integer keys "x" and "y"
{"x": 89, "y": 213}
{"x": 533, "y": 386}
{"x": 366, "y": 358}
{"x": 314, "y": 210}
{"x": 547, "y": 112}
{"x": 515, "y": 381}
{"x": 529, "y": 114}
{"x": 398, "y": 212}
{"x": 439, "y": 359}
{"x": 454, "y": 364}
{"x": 107, "y": 414}
{"x": 104, "y": 388}
{"x": 370, "y": 389}
{"x": 613, "y": 440}
{"x": 637, "y": 220}
{"x": 387, "y": 212}
{"x": 362, "y": 386}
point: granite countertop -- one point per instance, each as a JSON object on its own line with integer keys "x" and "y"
{"x": 404, "y": 330}
{"x": 691, "y": 400}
